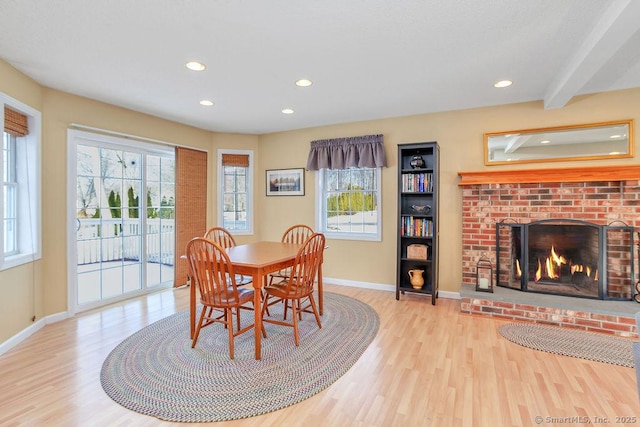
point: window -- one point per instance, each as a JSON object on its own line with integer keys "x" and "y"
{"x": 20, "y": 171}
{"x": 235, "y": 212}
{"x": 349, "y": 203}
{"x": 348, "y": 186}
{"x": 10, "y": 194}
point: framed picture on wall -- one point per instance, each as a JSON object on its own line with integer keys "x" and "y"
{"x": 285, "y": 182}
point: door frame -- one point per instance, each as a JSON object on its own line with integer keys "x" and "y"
{"x": 118, "y": 141}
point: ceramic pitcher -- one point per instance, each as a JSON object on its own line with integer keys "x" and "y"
{"x": 416, "y": 279}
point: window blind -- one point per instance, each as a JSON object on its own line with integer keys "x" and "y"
{"x": 191, "y": 205}
{"x": 241, "y": 160}
{"x": 15, "y": 123}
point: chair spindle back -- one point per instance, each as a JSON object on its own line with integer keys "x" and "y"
{"x": 305, "y": 267}
{"x": 212, "y": 272}
{"x": 221, "y": 236}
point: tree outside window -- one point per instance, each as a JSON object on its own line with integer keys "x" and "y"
{"x": 349, "y": 202}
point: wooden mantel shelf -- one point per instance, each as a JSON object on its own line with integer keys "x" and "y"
{"x": 586, "y": 174}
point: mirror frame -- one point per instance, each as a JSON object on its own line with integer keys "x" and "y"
{"x": 628, "y": 154}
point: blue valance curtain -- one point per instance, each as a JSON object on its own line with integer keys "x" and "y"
{"x": 342, "y": 153}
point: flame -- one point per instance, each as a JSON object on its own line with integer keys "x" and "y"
{"x": 556, "y": 258}
{"x": 551, "y": 272}
{"x": 518, "y": 270}
{"x": 553, "y": 267}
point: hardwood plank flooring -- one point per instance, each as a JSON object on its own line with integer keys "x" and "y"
{"x": 428, "y": 366}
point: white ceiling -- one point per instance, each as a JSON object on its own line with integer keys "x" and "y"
{"x": 368, "y": 59}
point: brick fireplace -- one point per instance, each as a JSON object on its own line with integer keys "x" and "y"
{"x": 604, "y": 196}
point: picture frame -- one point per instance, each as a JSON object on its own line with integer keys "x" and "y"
{"x": 285, "y": 182}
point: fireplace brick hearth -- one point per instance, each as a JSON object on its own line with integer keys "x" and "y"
{"x": 577, "y": 194}
{"x": 610, "y": 317}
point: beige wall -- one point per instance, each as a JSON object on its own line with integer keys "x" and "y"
{"x": 41, "y": 288}
{"x": 460, "y": 136}
{"x": 235, "y": 142}
{"x": 21, "y": 287}
{"x": 60, "y": 111}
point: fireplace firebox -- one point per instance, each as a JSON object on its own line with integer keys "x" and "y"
{"x": 566, "y": 257}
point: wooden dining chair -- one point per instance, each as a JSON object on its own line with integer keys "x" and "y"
{"x": 221, "y": 236}
{"x": 220, "y": 296}
{"x": 298, "y": 288}
{"x": 225, "y": 239}
{"x": 298, "y": 233}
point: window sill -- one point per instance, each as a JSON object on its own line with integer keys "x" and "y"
{"x": 17, "y": 260}
{"x": 353, "y": 236}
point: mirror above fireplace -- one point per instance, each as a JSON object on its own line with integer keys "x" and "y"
{"x": 607, "y": 140}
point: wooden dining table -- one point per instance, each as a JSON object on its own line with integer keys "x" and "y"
{"x": 257, "y": 260}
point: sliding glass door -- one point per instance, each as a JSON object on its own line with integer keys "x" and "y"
{"x": 123, "y": 214}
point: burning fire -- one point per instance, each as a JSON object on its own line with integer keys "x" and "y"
{"x": 552, "y": 268}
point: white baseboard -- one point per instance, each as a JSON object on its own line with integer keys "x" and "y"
{"x": 381, "y": 286}
{"x": 30, "y": 330}
{"x": 358, "y": 284}
{"x": 449, "y": 294}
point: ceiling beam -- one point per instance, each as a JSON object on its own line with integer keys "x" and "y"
{"x": 617, "y": 25}
{"x": 516, "y": 142}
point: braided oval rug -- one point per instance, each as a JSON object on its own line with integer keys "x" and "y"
{"x": 156, "y": 372}
{"x": 570, "y": 342}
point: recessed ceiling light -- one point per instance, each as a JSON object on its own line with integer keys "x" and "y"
{"x": 287, "y": 111}
{"x": 503, "y": 83}
{"x": 304, "y": 82}
{"x": 546, "y": 141}
{"x": 206, "y": 103}
{"x": 195, "y": 66}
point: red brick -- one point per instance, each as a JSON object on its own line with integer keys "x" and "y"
{"x": 525, "y": 307}
{"x": 549, "y": 310}
{"x": 605, "y": 317}
{"x": 578, "y": 314}
{"x": 534, "y": 315}
{"x": 627, "y": 320}
{"x": 616, "y": 326}
{"x": 518, "y": 313}
{"x": 503, "y": 304}
{"x": 585, "y": 322}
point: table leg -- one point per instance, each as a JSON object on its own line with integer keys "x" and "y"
{"x": 257, "y": 307}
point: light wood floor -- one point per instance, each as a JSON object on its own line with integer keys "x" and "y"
{"x": 428, "y": 365}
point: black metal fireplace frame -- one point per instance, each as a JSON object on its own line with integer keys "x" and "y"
{"x": 523, "y": 229}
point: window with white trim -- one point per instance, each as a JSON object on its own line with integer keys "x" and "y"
{"x": 348, "y": 202}
{"x": 235, "y": 197}
{"x": 10, "y": 194}
{"x": 20, "y": 171}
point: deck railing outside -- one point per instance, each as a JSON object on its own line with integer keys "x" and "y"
{"x": 103, "y": 240}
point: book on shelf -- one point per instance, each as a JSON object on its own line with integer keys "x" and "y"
{"x": 417, "y": 182}
{"x": 416, "y": 227}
